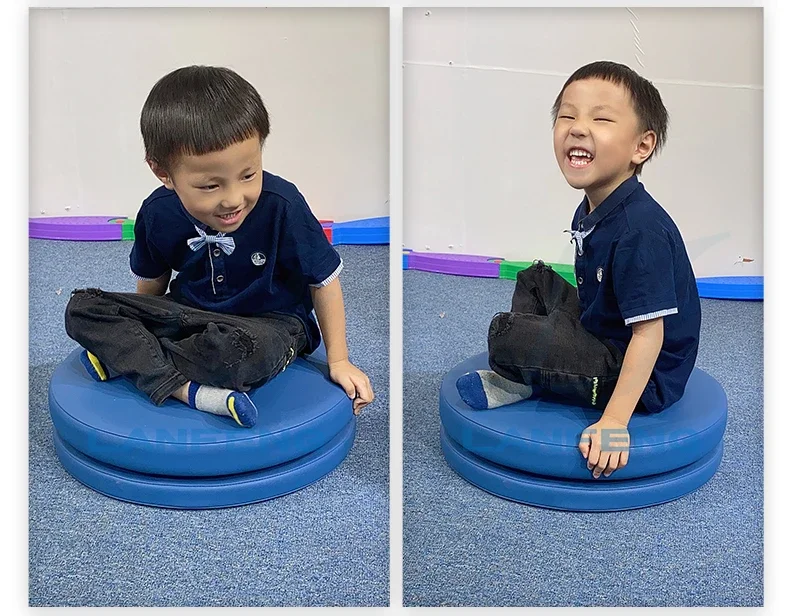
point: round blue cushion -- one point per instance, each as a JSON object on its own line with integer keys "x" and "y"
{"x": 207, "y": 492}
{"x": 541, "y": 435}
{"x": 112, "y": 422}
{"x": 576, "y": 495}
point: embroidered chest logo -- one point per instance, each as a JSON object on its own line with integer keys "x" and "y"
{"x": 599, "y": 274}
{"x": 258, "y": 258}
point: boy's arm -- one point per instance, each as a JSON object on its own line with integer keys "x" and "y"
{"x": 154, "y": 287}
{"x": 331, "y": 313}
{"x": 638, "y": 363}
{"x": 329, "y": 308}
{"x": 605, "y": 444}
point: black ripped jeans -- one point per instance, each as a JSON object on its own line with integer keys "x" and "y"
{"x": 541, "y": 342}
{"x": 160, "y": 344}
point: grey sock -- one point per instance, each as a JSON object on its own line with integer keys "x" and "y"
{"x": 219, "y": 401}
{"x": 485, "y": 389}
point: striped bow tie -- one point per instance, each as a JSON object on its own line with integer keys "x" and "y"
{"x": 220, "y": 239}
{"x": 578, "y": 238}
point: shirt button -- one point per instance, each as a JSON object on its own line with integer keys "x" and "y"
{"x": 220, "y": 278}
{"x": 580, "y": 280}
{"x": 216, "y": 252}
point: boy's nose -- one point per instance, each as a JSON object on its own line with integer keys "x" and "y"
{"x": 578, "y": 129}
{"x": 234, "y": 201}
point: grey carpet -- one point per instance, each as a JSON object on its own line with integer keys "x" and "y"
{"x": 465, "y": 547}
{"x": 327, "y": 544}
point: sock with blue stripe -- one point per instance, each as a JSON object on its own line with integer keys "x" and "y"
{"x": 219, "y": 401}
{"x": 485, "y": 389}
{"x": 95, "y": 367}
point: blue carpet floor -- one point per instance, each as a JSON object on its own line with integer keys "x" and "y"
{"x": 465, "y": 547}
{"x": 325, "y": 545}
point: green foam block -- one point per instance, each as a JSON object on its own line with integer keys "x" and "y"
{"x": 127, "y": 230}
{"x": 510, "y": 269}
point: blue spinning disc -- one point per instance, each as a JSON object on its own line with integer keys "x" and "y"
{"x": 575, "y": 495}
{"x": 541, "y": 436}
{"x": 207, "y": 492}
{"x": 300, "y": 411}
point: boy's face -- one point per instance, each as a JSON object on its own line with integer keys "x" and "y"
{"x": 597, "y": 137}
{"x": 220, "y": 188}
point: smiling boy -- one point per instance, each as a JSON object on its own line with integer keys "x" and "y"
{"x": 252, "y": 262}
{"x": 627, "y": 337}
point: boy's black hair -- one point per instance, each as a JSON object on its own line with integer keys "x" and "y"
{"x": 645, "y": 97}
{"x": 197, "y": 110}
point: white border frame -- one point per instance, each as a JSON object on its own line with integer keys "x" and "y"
{"x": 14, "y": 56}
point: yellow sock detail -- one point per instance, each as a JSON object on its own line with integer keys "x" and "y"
{"x": 97, "y": 366}
{"x": 231, "y": 408}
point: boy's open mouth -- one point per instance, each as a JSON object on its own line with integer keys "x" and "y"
{"x": 232, "y": 217}
{"x": 579, "y": 158}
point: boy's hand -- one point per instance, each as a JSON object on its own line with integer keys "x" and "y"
{"x": 353, "y": 381}
{"x": 605, "y": 446}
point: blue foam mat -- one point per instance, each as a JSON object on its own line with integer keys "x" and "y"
{"x": 541, "y": 435}
{"x": 365, "y": 231}
{"x": 731, "y": 287}
{"x": 206, "y": 492}
{"x": 573, "y": 495}
{"x": 299, "y": 411}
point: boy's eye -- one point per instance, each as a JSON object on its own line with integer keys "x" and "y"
{"x": 602, "y": 120}
{"x": 249, "y": 176}
{"x": 566, "y": 117}
{"x": 208, "y": 187}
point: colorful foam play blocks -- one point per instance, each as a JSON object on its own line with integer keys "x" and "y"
{"x": 127, "y": 230}
{"x": 327, "y": 225}
{"x": 510, "y": 269}
{"x": 365, "y": 231}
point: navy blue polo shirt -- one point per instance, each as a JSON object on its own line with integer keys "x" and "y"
{"x": 631, "y": 265}
{"x": 280, "y": 252}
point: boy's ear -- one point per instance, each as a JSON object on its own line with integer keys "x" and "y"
{"x": 644, "y": 148}
{"x": 161, "y": 174}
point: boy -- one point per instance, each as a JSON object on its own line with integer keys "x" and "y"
{"x": 251, "y": 258}
{"x": 628, "y": 337}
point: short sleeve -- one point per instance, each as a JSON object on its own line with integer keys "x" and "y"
{"x": 145, "y": 262}
{"x": 644, "y": 276}
{"x": 308, "y": 248}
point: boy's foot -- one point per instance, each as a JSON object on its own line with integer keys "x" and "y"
{"x": 94, "y": 366}
{"x": 485, "y": 389}
{"x": 219, "y": 401}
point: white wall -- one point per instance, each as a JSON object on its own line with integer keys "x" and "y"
{"x": 479, "y": 170}
{"x": 322, "y": 73}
